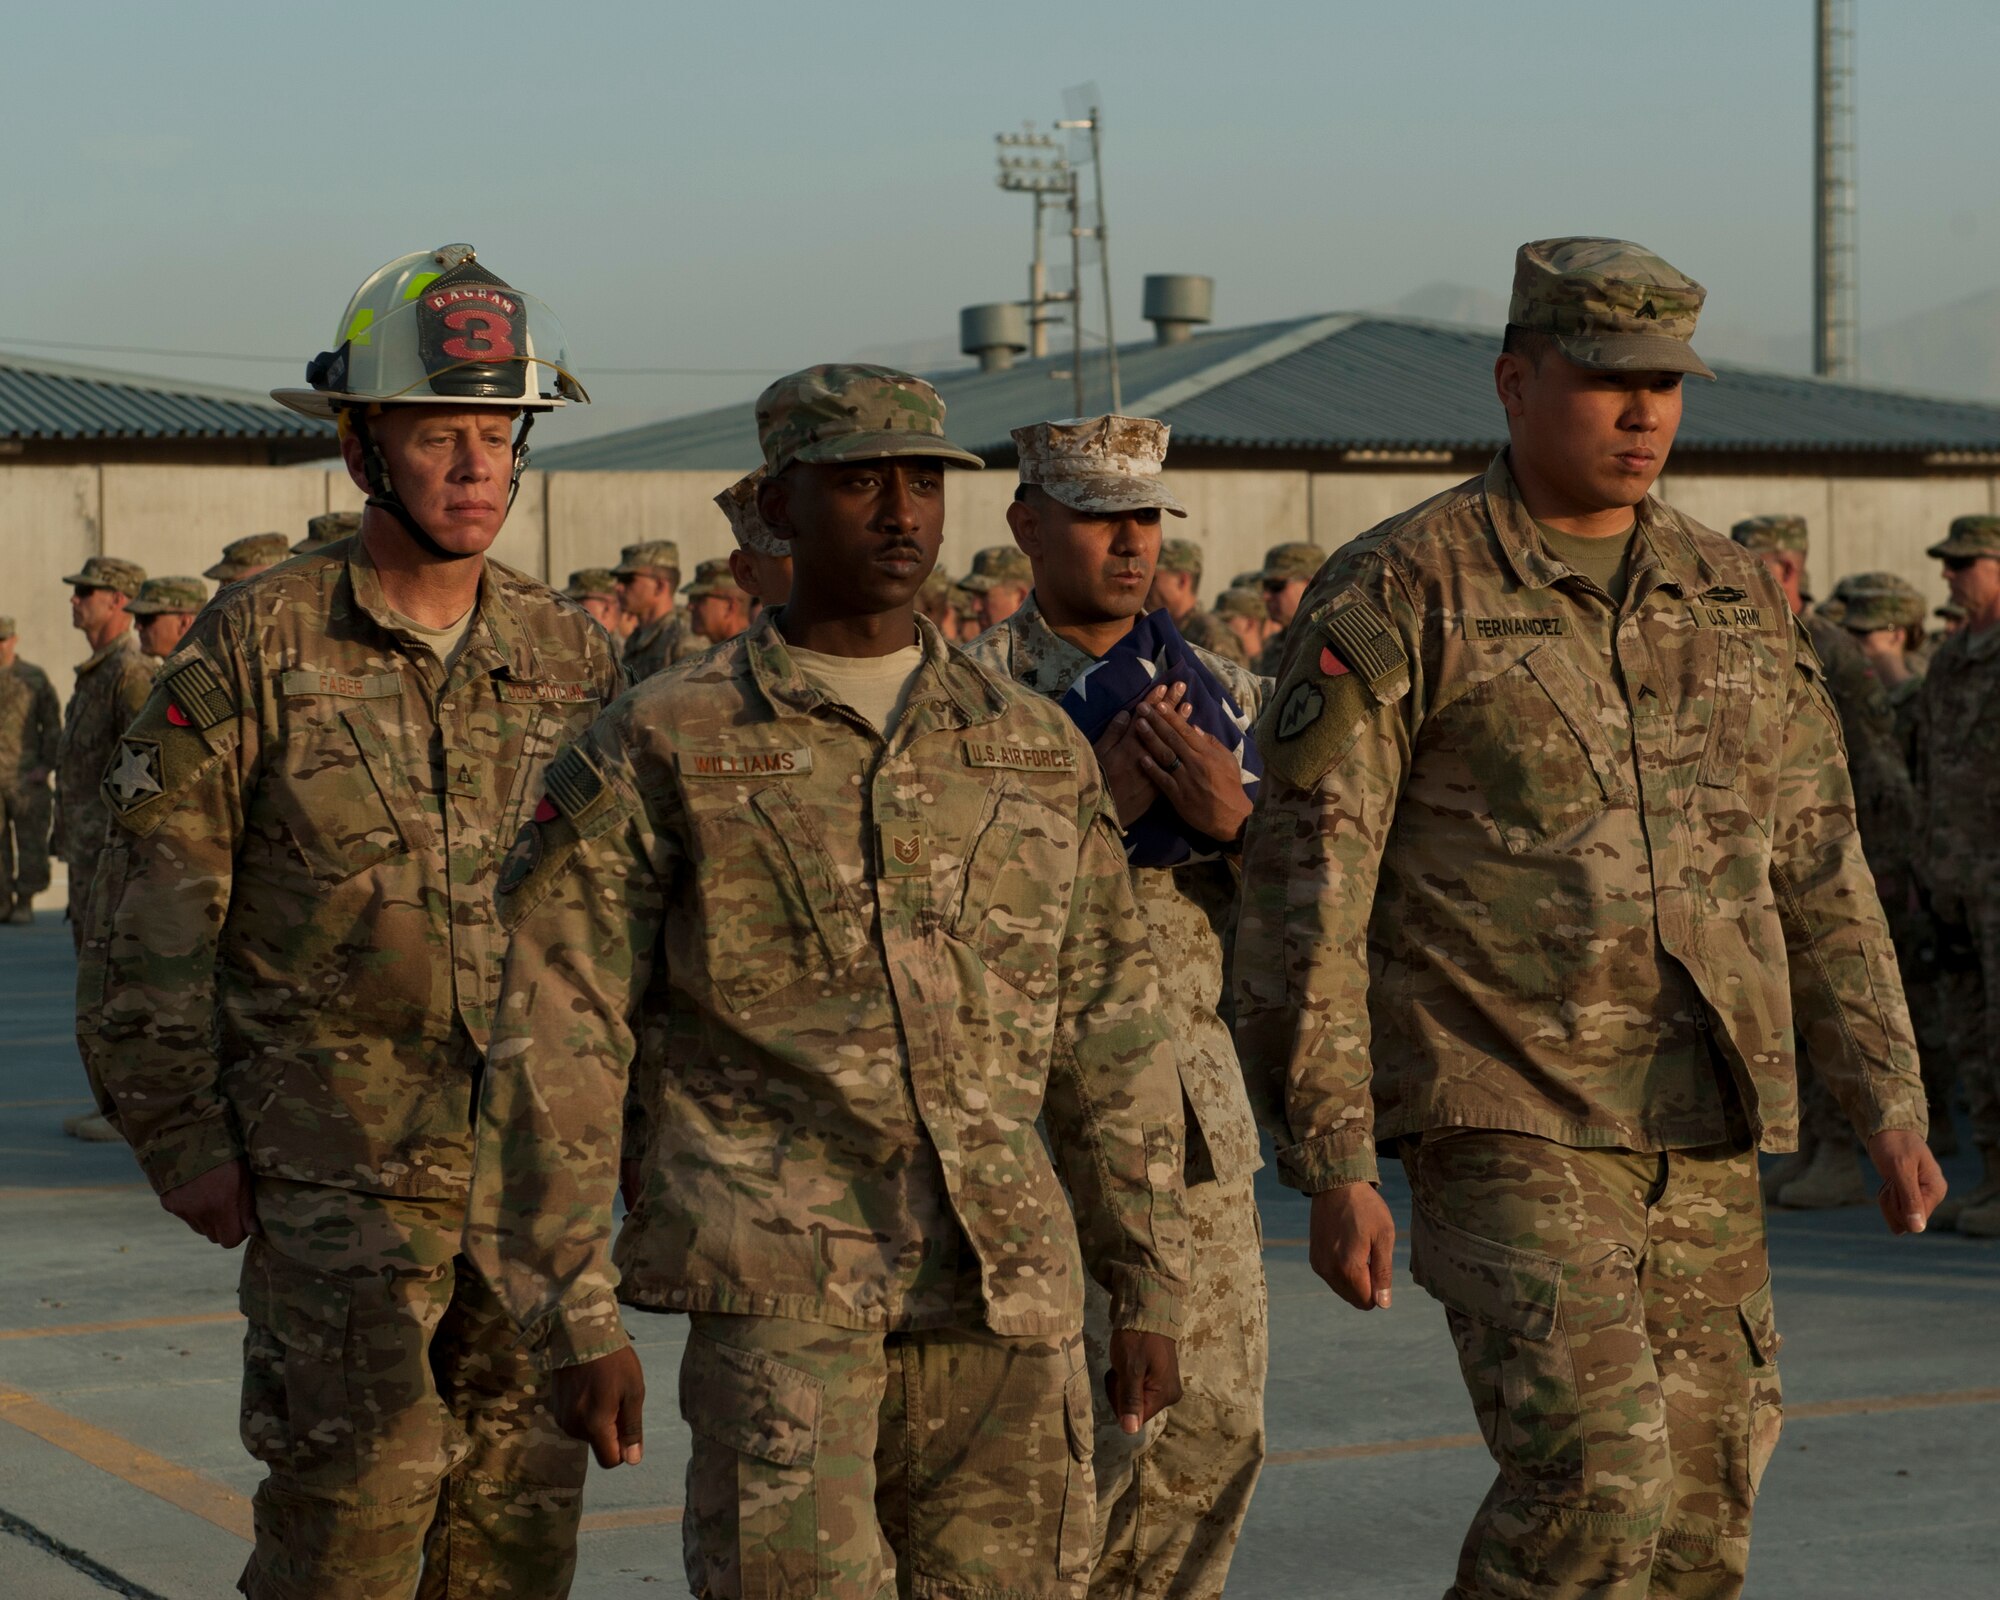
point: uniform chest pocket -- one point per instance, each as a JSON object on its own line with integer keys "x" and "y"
{"x": 1734, "y": 698}
{"x": 337, "y": 788}
{"x": 1020, "y": 876}
{"x": 774, "y": 906}
{"x": 1541, "y": 762}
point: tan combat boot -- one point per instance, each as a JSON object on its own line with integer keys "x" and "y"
{"x": 1833, "y": 1179}
{"x": 1954, "y": 1206}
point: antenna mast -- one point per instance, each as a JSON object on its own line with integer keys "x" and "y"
{"x": 1085, "y": 117}
{"x": 1836, "y": 342}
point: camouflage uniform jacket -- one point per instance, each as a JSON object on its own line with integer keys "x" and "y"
{"x": 1958, "y": 774}
{"x": 1190, "y": 914}
{"x": 110, "y": 688}
{"x": 863, "y": 972}
{"x": 1206, "y": 631}
{"x": 1528, "y": 853}
{"x": 655, "y": 646}
{"x": 294, "y": 938}
{"x": 30, "y": 724}
{"x": 1885, "y": 804}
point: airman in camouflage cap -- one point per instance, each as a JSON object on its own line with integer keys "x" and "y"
{"x": 1781, "y": 531}
{"x": 998, "y": 564}
{"x": 1239, "y": 601}
{"x": 325, "y": 528}
{"x": 647, "y": 574}
{"x": 1180, "y": 555}
{"x": 1098, "y": 464}
{"x": 248, "y": 556}
{"x": 651, "y": 555}
{"x": 596, "y": 590}
{"x": 109, "y": 572}
{"x": 1177, "y": 590}
{"x": 588, "y": 581}
{"x": 1287, "y": 569}
{"x": 1608, "y": 304}
{"x": 162, "y": 595}
{"x": 1969, "y": 536}
{"x": 713, "y": 577}
{"x": 1292, "y": 560}
{"x": 849, "y": 412}
{"x": 1872, "y": 601}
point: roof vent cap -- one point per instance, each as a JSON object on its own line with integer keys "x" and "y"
{"x": 995, "y": 333}
{"x": 1177, "y": 303}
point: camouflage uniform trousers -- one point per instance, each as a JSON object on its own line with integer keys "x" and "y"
{"x": 25, "y": 813}
{"x": 1612, "y": 1313}
{"x": 1970, "y": 986}
{"x": 864, "y": 1465}
{"x": 1171, "y": 1500}
{"x": 402, "y": 1416}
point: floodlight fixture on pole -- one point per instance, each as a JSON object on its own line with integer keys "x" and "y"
{"x": 1031, "y": 164}
{"x": 1093, "y": 124}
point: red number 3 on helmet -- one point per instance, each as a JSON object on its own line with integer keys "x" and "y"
{"x": 491, "y": 335}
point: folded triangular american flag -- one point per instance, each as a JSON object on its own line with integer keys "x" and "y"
{"x": 1155, "y": 653}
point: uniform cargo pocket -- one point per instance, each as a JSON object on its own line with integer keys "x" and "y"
{"x": 1766, "y": 1408}
{"x": 1078, "y": 1543}
{"x": 1020, "y": 876}
{"x": 295, "y": 1413}
{"x": 1503, "y": 1306}
{"x": 1734, "y": 694}
{"x": 1537, "y": 756}
{"x": 752, "y": 1520}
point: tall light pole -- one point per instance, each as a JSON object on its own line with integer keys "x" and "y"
{"x": 1030, "y": 165}
{"x": 1836, "y": 337}
{"x": 1093, "y": 124}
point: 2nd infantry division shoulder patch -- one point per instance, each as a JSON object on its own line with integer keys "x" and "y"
{"x": 1319, "y": 708}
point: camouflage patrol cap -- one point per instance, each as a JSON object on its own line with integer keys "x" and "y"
{"x": 159, "y": 596}
{"x": 250, "y": 554}
{"x": 746, "y": 522}
{"x": 1179, "y": 555}
{"x": 323, "y": 529}
{"x": 653, "y": 555}
{"x": 1969, "y": 536}
{"x": 1833, "y": 608}
{"x": 1872, "y": 600}
{"x": 713, "y": 578}
{"x": 1253, "y": 579}
{"x": 1294, "y": 559}
{"x": 6, "y": 627}
{"x": 109, "y": 572}
{"x": 998, "y": 564}
{"x": 1781, "y": 531}
{"x": 1098, "y": 464}
{"x": 1609, "y": 304}
{"x": 591, "y": 580}
{"x": 852, "y": 413}
{"x": 1240, "y": 602}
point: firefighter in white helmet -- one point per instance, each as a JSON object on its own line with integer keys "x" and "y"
{"x": 288, "y": 989}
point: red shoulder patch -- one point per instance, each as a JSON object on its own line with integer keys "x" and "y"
{"x": 1331, "y": 664}
{"x": 178, "y": 717}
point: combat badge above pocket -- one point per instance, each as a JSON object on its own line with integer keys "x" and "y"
{"x": 1351, "y": 662}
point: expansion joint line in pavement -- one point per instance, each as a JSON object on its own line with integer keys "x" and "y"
{"x": 96, "y": 1571}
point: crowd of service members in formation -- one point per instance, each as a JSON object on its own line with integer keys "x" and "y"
{"x": 870, "y": 935}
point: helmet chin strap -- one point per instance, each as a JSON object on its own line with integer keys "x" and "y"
{"x": 382, "y": 493}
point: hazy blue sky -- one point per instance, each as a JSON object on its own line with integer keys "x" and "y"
{"x": 761, "y": 185}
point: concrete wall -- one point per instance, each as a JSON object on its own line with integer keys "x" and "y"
{"x": 176, "y": 519}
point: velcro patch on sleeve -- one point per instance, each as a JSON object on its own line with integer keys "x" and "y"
{"x": 577, "y": 788}
{"x": 1363, "y": 638}
{"x": 1319, "y": 708}
{"x": 163, "y": 753}
{"x": 198, "y": 691}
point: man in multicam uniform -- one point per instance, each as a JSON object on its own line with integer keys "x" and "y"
{"x": 866, "y": 903}
{"x": 999, "y": 580}
{"x": 1958, "y": 788}
{"x": 1240, "y": 609}
{"x": 596, "y": 590}
{"x": 248, "y": 556}
{"x": 294, "y": 958}
{"x": 1555, "y": 806}
{"x": 1171, "y": 1500}
{"x": 1826, "y": 1171}
{"x": 30, "y": 735}
{"x": 163, "y": 612}
{"x": 648, "y": 574}
{"x": 1287, "y": 569}
{"x": 325, "y": 528}
{"x": 1177, "y": 590}
{"x": 717, "y": 607}
{"x": 761, "y": 561}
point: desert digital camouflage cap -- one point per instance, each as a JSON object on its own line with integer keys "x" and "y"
{"x": 713, "y": 578}
{"x": 6, "y": 627}
{"x": 161, "y": 595}
{"x": 1873, "y": 600}
{"x": 250, "y": 554}
{"x": 746, "y": 522}
{"x": 1294, "y": 559}
{"x": 998, "y": 564}
{"x": 1098, "y": 464}
{"x": 1240, "y": 602}
{"x": 653, "y": 555}
{"x": 1969, "y": 536}
{"x": 1180, "y": 555}
{"x": 852, "y": 413}
{"x": 1609, "y": 304}
{"x": 109, "y": 572}
{"x": 591, "y": 580}
{"x": 1782, "y": 531}
{"x": 323, "y": 529}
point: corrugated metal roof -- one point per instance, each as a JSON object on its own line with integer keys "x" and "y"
{"x": 1336, "y": 383}
{"x": 54, "y": 400}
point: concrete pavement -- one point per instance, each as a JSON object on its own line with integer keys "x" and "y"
{"x": 120, "y": 1472}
